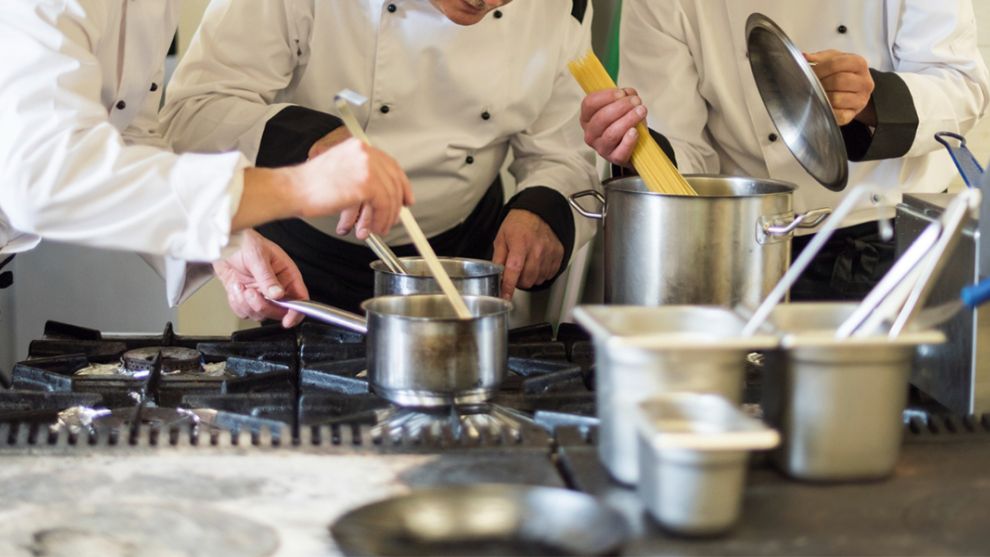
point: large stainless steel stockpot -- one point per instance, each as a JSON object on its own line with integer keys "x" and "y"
{"x": 471, "y": 277}
{"x": 727, "y": 246}
{"x": 420, "y": 353}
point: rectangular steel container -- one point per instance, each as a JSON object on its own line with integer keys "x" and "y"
{"x": 693, "y": 455}
{"x": 837, "y": 403}
{"x": 645, "y": 351}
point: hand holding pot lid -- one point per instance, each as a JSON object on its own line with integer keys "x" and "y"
{"x": 797, "y": 102}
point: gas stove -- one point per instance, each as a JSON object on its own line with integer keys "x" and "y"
{"x": 253, "y": 446}
{"x": 270, "y": 385}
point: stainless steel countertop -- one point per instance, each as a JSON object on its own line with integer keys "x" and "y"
{"x": 205, "y": 502}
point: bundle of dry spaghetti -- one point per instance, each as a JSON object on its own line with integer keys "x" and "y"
{"x": 653, "y": 165}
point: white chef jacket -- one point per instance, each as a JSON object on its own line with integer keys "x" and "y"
{"x": 81, "y": 156}
{"x": 448, "y": 102}
{"x": 687, "y": 59}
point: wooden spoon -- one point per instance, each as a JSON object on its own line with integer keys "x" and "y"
{"x": 343, "y": 101}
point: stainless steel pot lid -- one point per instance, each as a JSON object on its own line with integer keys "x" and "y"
{"x": 482, "y": 520}
{"x": 796, "y": 102}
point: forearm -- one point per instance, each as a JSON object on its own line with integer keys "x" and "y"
{"x": 269, "y": 194}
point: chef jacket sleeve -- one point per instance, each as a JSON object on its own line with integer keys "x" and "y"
{"x": 223, "y": 94}
{"x": 655, "y": 60}
{"x": 68, "y": 173}
{"x": 939, "y": 81}
{"x": 551, "y": 160}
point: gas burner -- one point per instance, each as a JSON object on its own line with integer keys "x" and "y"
{"x": 80, "y": 418}
{"x": 174, "y": 359}
{"x": 464, "y": 422}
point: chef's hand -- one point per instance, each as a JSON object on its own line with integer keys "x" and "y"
{"x": 609, "y": 120}
{"x": 847, "y": 82}
{"x": 363, "y": 184}
{"x": 329, "y": 141}
{"x": 529, "y": 249}
{"x": 261, "y": 269}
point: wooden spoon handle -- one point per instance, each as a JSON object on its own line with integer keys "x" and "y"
{"x": 436, "y": 268}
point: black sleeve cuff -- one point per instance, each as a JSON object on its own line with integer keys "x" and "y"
{"x": 662, "y": 141}
{"x": 291, "y": 133}
{"x": 551, "y": 206}
{"x": 897, "y": 122}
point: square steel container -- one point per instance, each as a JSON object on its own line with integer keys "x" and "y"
{"x": 645, "y": 351}
{"x": 693, "y": 456}
{"x": 837, "y": 403}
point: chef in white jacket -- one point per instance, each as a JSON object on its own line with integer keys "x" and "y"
{"x": 82, "y": 160}
{"x": 454, "y": 86}
{"x": 896, "y": 72}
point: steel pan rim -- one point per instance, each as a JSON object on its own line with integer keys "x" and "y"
{"x": 501, "y": 308}
{"x": 779, "y": 188}
{"x": 491, "y": 269}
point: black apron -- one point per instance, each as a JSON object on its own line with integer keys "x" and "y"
{"x": 848, "y": 266}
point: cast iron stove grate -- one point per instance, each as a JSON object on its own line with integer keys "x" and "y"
{"x": 295, "y": 387}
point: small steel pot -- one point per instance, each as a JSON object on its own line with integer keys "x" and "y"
{"x": 421, "y": 354}
{"x": 471, "y": 277}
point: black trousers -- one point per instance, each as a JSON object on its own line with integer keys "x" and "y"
{"x": 338, "y": 272}
{"x": 848, "y": 266}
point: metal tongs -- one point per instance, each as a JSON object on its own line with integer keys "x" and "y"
{"x": 897, "y": 299}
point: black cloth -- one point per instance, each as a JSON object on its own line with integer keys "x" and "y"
{"x": 847, "y": 267}
{"x": 290, "y": 134}
{"x": 338, "y": 272}
{"x": 897, "y": 122}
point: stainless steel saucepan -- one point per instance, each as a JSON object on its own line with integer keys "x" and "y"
{"x": 472, "y": 277}
{"x": 420, "y": 353}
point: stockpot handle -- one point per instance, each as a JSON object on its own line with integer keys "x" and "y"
{"x": 327, "y": 314}
{"x": 584, "y": 212}
{"x": 808, "y": 219}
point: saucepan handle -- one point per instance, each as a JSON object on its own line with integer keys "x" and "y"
{"x": 969, "y": 167}
{"x": 584, "y": 212}
{"x": 327, "y": 314}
